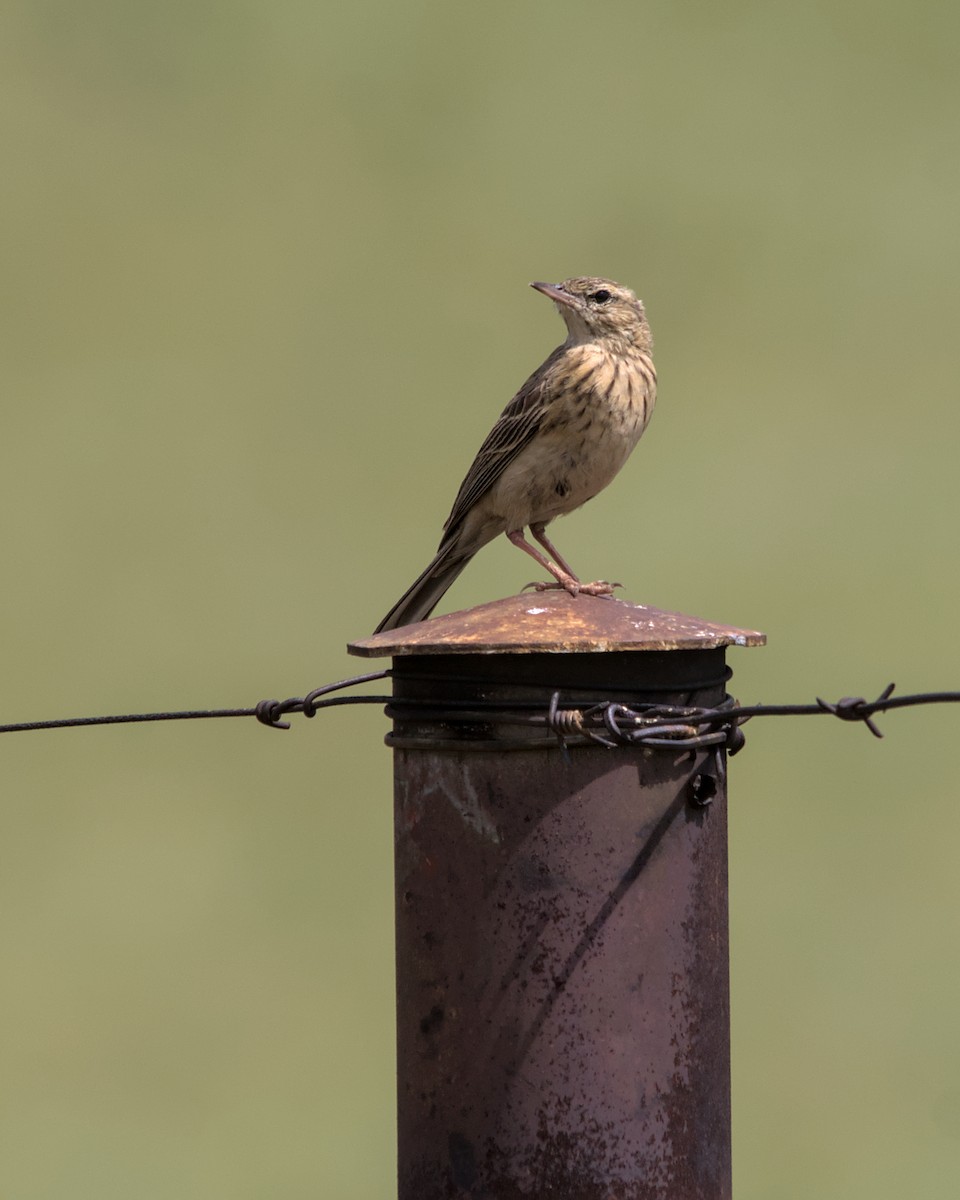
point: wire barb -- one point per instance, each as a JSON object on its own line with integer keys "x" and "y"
{"x": 269, "y": 712}
{"x": 856, "y": 708}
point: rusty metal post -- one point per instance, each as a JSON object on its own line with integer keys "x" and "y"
{"x": 561, "y": 917}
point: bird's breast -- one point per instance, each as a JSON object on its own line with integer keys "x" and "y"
{"x": 594, "y": 414}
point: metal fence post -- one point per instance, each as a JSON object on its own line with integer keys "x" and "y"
{"x": 561, "y": 914}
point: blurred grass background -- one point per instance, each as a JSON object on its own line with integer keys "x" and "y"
{"x": 264, "y": 291}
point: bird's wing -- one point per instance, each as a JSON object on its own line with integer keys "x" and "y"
{"x": 515, "y": 429}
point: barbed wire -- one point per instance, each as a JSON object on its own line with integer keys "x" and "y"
{"x": 267, "y": 712}
{"x": 606, "y": 723}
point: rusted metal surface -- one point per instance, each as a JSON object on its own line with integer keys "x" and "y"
{"x": 562, "y": 978}
{"x": 554, "y": 623}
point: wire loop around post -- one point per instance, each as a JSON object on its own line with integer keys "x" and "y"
{"x": 605, "y": 723}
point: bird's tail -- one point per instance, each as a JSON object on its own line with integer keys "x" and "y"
{"x": 424, "y": 594}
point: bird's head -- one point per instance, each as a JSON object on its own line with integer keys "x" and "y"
{"x": 597, "y": 309}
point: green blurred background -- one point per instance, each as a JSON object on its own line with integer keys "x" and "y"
{"x": 264, "y": 289}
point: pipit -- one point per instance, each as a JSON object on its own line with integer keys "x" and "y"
{"x": 560, "y": 440}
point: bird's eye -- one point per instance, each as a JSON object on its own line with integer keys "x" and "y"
{"x": 601, "y": 297}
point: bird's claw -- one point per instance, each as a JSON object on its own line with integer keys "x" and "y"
{"x": 600, "y": 588}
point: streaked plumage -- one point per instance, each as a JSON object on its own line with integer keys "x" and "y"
{"x": 560, "y": 440}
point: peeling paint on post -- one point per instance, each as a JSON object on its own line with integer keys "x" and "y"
{"x": 562, "y": 947}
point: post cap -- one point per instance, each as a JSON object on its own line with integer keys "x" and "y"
{"x": 554, "y": 623}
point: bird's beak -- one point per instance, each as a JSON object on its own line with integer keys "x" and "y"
{"x": 556, "y": 293}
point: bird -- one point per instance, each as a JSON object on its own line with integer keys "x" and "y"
{"x": 561, "y": 439}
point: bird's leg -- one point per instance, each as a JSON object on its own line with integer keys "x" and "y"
{"x": 563, "y": 575}
{"x": 565, "y": 578}
{"x": 539, "y": 531}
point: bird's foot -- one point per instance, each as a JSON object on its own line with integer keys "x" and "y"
{"x": 600, "y": 588}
